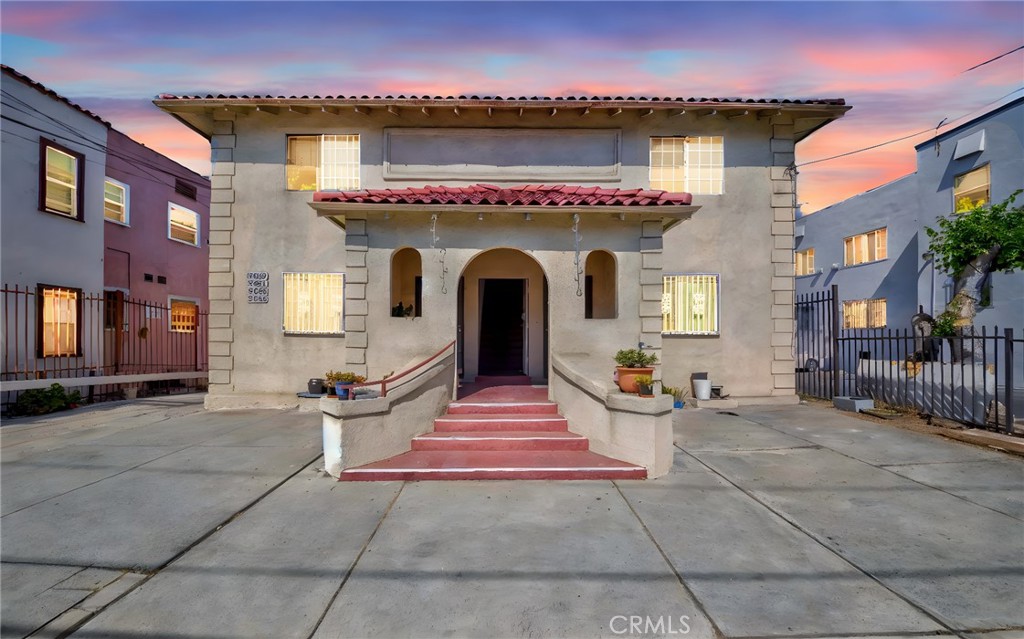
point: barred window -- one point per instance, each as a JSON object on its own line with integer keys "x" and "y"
{"x": 805, "y": 262}
{"x": 322, "y": 162}
{"x": 866, "y": 247}
{"x": 864, "y": 313}
{"x": 58, "y": 326}
{"x": 689, "y": 304}
{"x": 687, "y": 164}
{"x": 314, "y": 303}
{"x": 183, "y": 316}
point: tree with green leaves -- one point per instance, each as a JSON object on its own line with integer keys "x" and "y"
{"x": 971, "y": 245}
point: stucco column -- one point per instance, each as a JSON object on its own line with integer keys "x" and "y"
{"x": 651, "y": 240}
{"x": 783, "y": 278}
{"x": 222, "y": 273}
{"x": 356, "y": 305}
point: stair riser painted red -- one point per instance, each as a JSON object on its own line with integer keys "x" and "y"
{"x": 540, "y": 408}
{"x": 441, "y": 425}
{"x": 438, "y": 443}
{"x": 452, "y": 475}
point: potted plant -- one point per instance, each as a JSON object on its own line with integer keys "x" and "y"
{"x": 678, "y": 395}
{"x": 645, "y": 385}
{"x": 342, "y": 381}
{"x": 632, "y": 362}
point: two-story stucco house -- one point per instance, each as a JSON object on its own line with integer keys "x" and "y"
{"x": 538, "y": 235}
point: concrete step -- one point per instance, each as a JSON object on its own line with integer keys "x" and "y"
{"x": 462, "y": 407}
{"x": 475, "y": 422}
{"x": 420, "y": 465}
{"x": 501, "y": 440}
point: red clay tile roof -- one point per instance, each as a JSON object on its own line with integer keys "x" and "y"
{"x": 520, "y": 195}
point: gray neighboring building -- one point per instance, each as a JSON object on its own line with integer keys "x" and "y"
{"x": 874, "y": 246}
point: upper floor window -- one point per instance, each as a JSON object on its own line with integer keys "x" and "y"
{"x": 689, "y": 304}
{"x": 322, "y": 162}
{"x": 182, "y": 224}
{"x": 688, "y": 165}
{"x": 115, "y": 201}
{"x": 805, "y": 262}
{"x": 864, "y": 313}
{"x": 314, "y": 303}
{"x": 971, "y": 189}
{"x": 62, "y": 172}
{"x": 866, "y": 247}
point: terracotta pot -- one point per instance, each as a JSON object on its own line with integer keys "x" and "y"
{"x": 627, "y": 378}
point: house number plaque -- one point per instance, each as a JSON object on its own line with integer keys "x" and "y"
{"x": 259, "y": 287}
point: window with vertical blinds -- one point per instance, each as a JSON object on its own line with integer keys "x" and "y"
{"x": 689, "y": 304}
{"x": 58, "y": 321}
{"x": 864, "y": 313}
{"x": 322, "y": 162}
{"x": 866, "y": 247}
{"x": 314, "y": 303}
{"x": 805, "y": 262}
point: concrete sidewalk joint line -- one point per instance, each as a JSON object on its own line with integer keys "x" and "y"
{"x": 824, "y": 545}
{"x": 643, "y": 526}
{"x": 355, "y": 562}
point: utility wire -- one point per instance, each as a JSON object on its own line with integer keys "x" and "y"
{"x": 912, "y": 135}
{"x": 1003, "y": 55}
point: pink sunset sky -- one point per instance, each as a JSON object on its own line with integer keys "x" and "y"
{"x": 902, "y": 65}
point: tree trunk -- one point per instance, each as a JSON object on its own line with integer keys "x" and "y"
{"x": 969, "y": 286}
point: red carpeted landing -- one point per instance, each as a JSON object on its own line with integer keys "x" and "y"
{"x": 501, "y": 432}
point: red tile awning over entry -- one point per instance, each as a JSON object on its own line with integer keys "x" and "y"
{"x": 521, "y": 195}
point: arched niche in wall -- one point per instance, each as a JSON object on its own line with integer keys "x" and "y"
{"x": 406, "y": 283}
{"x": 600, "y": 292}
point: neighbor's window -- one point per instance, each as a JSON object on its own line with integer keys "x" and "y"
{"x": 689, "y": 304}
{"x": 805, "y": 262}
{"x": 866, "y": 247}
{"x": 183, "y": 316}
{"x": 182, "y": 224}
{"x": 971, "y": 189}
{"x": 58, "y": 326}
{"x": 115, "y": 201}
{"x": 864, "y": 313}
{"x": 314, "y": 303}
{"x": 688, "y": 165}
{"x": 61, "y": 173}
{"x": 322, "y": 162}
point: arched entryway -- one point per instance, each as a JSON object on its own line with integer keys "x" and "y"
{"x": 503, "y": 316}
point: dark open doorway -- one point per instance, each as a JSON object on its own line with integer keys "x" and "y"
{"x": 502, "y": 324}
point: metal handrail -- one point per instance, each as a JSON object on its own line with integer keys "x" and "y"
{"x": 384, "y": 381}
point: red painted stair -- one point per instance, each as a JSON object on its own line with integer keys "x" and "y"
{"x": 502, "y": 432}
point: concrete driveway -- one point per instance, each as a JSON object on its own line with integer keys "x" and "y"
{"x": 156, "y": 519}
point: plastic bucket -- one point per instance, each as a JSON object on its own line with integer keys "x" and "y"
{"x": 702, "y": 388}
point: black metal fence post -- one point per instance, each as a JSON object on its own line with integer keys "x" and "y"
{"x": 834, "y": 337}
{"x": 1008, "y": 384}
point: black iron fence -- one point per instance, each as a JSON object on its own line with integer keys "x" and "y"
{"x": 974, "y": 379}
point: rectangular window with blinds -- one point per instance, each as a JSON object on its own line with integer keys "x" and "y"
{"x": 58, "y": 329}
{"x": 687, "y": 165}
{"x": 866, "y": 247}
{"x": 805, "y": 262}
{"x": 971, "y": 189}
{"x": 115, "y": 201}
{"x": 314, "y": 303}
{"x": 322, "y": 163}
{"x": 864, "y": 313}
{"x": 61, "y": 174}
{"x": 689, "y": 304}
{"x": 182, "y": 224}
